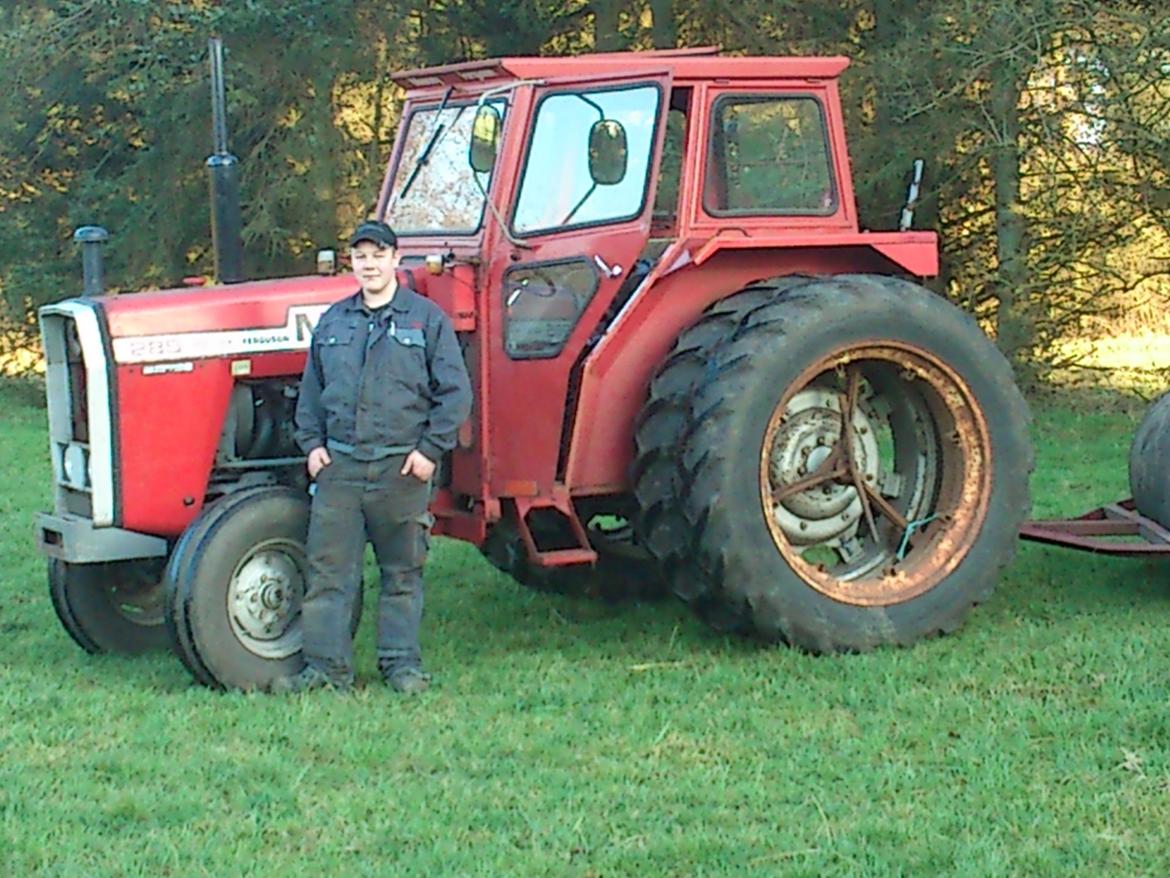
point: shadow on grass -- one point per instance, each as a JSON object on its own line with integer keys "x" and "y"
{"x": 1051, "y": 585}
{"x": 487, "y": 614}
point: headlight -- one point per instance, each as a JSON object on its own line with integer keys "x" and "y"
{"x": 75, "y": 462}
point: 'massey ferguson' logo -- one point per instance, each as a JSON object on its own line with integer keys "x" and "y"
{"x": 294, "y": 335}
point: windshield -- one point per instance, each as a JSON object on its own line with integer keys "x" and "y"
{"x": 557, "y": 189}
{"x": 434, "y": 188}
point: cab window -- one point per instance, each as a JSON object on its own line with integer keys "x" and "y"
{"x": 768, "y": 155}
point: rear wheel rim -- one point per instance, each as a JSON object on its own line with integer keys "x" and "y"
{"x": 887, "y": 515}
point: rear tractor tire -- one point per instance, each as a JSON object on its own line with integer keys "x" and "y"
{"x": 111, "y": 607}
{"x": 1149, "y": 476}
{"x": 660, "y": 524}
{"x": 853, "y": 470}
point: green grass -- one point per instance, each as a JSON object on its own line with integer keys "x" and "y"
{"x": 568, "y": 738}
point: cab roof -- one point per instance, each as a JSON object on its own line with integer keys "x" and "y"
{"x": 683, "y": 64}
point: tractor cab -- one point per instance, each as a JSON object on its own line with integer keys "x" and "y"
{"x": 544, "y": 195}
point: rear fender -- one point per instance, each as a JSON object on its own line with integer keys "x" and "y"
{"x": 617, "y": 374}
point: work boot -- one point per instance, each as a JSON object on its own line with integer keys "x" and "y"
{"x": 308, "y": 679}
{"x": 408, "y": 681}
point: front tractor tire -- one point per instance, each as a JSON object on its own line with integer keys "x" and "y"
{"x": 853, "y": 467}
{"x": 112, "y": 607}
{"x": 234, "y": 585}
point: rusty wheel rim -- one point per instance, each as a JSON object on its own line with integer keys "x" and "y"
{"x": 875, "y": 472}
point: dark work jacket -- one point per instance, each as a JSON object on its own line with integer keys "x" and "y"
{"x": 383, "y": 382}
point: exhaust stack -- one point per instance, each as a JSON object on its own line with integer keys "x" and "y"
{"x": 223, "y": 170}
{"x": 90, "y": 239}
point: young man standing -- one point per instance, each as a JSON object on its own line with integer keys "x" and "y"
{"x": 384, "y": 392}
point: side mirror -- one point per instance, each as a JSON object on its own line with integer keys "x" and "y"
{"x": 608, "y": 152}
{"x": 485, "y": 139}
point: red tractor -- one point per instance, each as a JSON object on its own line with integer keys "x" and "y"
{"x": 684, "y": 352}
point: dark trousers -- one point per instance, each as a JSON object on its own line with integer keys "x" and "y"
{"x": 358, "y": 502}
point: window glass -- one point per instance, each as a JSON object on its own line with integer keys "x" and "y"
{"x": 769, "y": 155}
{"x": 557, "y": 191}
{"x": 542, "y": 303}
{"x": 443, "y": 196}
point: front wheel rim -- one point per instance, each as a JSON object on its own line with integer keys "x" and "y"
{"x": 887, "y": 515}
{"x": 264, "y": 598}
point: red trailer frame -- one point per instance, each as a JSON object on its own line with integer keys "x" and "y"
{"x": 1101, "y": 531}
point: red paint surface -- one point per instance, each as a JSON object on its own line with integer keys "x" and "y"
{"x": 168, "y": 427}
{"x": 257, "y": 304}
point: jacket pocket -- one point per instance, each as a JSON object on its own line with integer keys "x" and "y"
{"x": 408, "y": 359}
{"x": 339, "y": 360}
{"x": 410, "y": 337}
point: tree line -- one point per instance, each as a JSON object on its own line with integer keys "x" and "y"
{"x": 1044, "y": 125}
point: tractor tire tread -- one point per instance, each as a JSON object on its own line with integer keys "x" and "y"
{"x": 663, "y": 420}
{"x": 718, "y": 570}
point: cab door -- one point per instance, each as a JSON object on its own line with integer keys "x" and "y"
{"x": 577, "y": 227}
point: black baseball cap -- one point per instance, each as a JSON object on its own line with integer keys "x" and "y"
{"x": 375, "y": 231}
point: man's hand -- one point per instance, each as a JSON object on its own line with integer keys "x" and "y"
{"x": 318, "y": 459}
{"x": 419, "y": 466}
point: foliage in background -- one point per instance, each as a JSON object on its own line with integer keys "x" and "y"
{"x": 1044, "y": 125}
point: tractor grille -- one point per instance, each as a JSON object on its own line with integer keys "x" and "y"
{"x": 76, "y": 386}
{"x": 75, "y": 372}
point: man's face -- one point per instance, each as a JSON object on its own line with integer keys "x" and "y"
{"x": 374, "y": 265}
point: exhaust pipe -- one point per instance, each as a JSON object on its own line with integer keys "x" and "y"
{"x": 90, "y": 239}
{"x": 223, "y": 171}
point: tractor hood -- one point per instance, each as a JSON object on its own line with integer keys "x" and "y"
{"x": 201, "y": 322}
{"x": 269, "y": 316}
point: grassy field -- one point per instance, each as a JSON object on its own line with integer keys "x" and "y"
{"x": 569, "y": 738}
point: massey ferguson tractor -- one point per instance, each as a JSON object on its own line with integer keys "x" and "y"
{"x": 685, "y": 354}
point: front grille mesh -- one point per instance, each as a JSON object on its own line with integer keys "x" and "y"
{"x": 78, "y": 401}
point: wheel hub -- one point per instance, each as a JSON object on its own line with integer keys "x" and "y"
{"x": 264, "y": 600}
{"x": 273, "y": 596}
{"x": 827, "y": 513}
